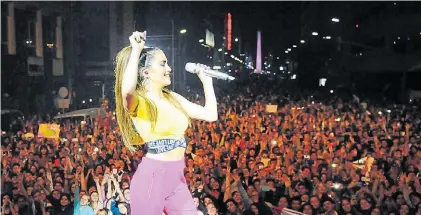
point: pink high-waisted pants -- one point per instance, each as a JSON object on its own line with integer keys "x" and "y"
{"x": 160, "y": 186}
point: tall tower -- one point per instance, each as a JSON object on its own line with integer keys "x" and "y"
{"x": 259, "y": 52}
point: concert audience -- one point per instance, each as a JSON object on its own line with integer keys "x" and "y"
{"x": 314, "y": 155}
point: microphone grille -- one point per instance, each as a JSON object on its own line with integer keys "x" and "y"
{"x": 190, "y": 67}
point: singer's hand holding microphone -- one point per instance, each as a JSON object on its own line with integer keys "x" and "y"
{"x": 200, "y": 69}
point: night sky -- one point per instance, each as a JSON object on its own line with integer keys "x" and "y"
{"x": 250, "y": 17}
{"x": 264, "y": 16}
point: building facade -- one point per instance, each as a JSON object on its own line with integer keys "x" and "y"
{"x": 104, "y": 29}
{"x": 386, "y": 37}
{"x": 356, "y": 43}
{"x": 34, "y": 56}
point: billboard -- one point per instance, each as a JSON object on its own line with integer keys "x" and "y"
{"x": 210, "y": 39}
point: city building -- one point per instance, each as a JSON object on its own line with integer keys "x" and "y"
{"x": 387, "y": 43}
{"x": 104, "y": 29}
{"x": 347, "y": 43}
{"x": 35, "y": 56}
{"x": 386, "y": 37}
{"x": 315, "y": 53}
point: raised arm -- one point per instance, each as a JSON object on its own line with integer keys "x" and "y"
{"x": 117, "y": 187}
{"x": 126, "y": 101}
{"x": 130, "y": 70}
{"x": 76, "y": 195}
{"x": 110, "y": 191}
{"x": 22, "y": 187}
{"x": 99, "y": 189}
{"x": 227, "y": 184}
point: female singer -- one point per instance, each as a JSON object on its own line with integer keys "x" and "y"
{"x": 160, "y": 118}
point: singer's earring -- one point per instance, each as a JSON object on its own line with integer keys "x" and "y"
{"x": 145, "y": 73}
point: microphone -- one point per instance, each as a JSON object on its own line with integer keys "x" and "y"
{"x": 191, "y": 67}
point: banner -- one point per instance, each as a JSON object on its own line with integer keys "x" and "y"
{"x": 271, "y": 108}
{"x": 49, "y": 130}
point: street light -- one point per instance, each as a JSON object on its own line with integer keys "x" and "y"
{"x": 314, "y": 33}
{"x": 286, "y": 52}
{"x": 294, "y": 46}
{"x": 201, "y": 40}
{"x": 302, "y": 41}
{"x": 289, "y": 49}
{"x": 236, "y": 39}
{"x": 335, "y": 20}
{"x": 220, "y": 50}
{"x": 328, "y": 37}
{"x": 183, "y": 31}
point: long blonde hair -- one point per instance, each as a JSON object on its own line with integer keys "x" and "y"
{"x": 128, "y": 132}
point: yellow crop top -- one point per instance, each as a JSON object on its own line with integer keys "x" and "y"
{"x": 171, "y": 122}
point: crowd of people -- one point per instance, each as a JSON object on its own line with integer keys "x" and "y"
{"x": 313, "y": 155}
